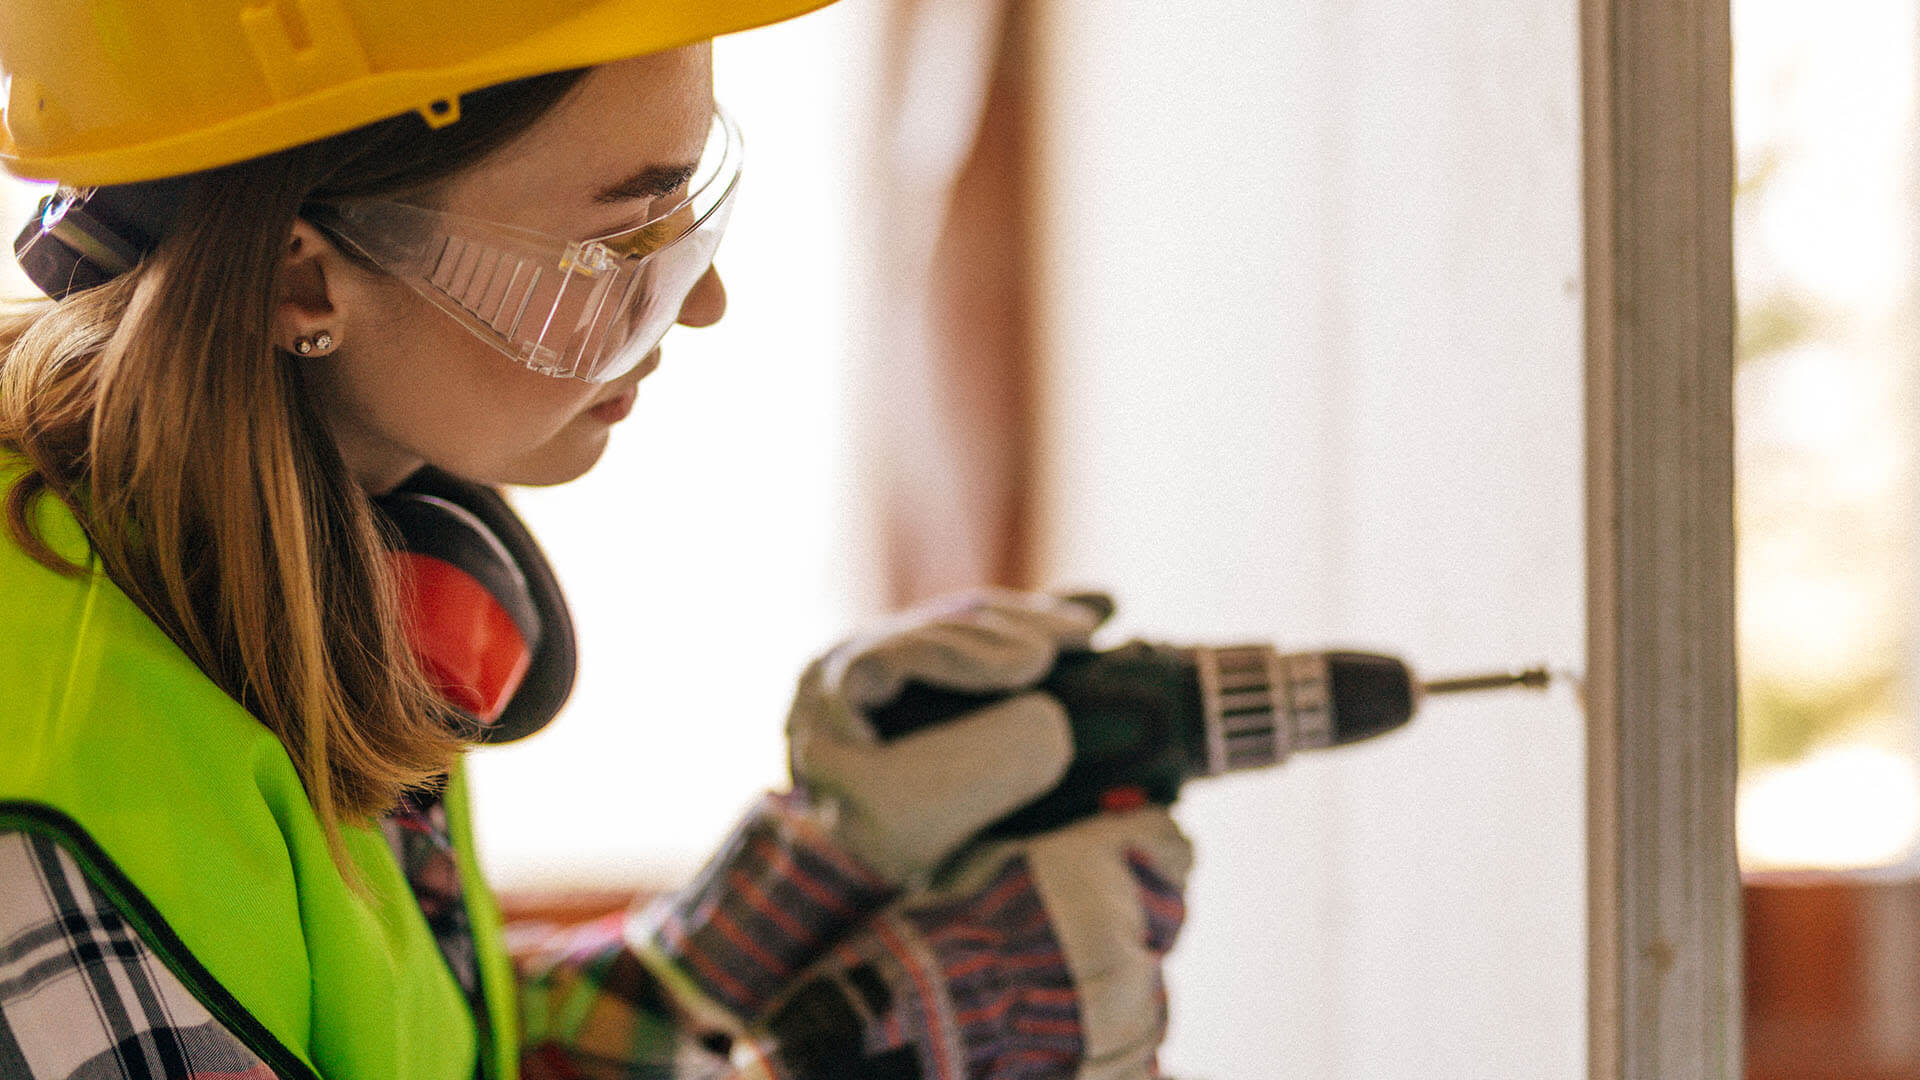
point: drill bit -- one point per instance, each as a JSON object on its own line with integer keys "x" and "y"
{"x": 1534, "y": 678}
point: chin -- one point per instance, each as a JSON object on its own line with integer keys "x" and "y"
{"x": 554, "y": 462}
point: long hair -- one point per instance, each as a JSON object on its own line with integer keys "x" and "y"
{"x": 157, "y": 408}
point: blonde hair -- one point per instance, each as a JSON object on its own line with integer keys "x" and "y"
{"x": 157, "y": 408}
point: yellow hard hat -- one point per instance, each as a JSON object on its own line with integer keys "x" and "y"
{"x": 113, "y": 91}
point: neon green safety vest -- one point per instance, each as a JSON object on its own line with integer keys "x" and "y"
{"x": 187, "y": 812}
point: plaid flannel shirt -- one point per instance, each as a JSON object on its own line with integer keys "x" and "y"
{"x": 82, "y": 997}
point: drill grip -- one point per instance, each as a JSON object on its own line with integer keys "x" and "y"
{"x": 1127, "y": 709}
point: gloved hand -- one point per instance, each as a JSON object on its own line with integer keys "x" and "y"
{"x": 1036, "y": 958}
{"x": 903, "y": 806}
{"x": 804, "y": 868}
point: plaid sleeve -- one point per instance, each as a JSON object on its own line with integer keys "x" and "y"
{"x": 81, "y": 996}
{"x": 590, "y": 1010}
{"x": 774, "y": 899}
{"x": 657, "y": 992}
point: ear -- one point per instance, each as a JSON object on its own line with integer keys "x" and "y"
{"x": 304, "y": 306}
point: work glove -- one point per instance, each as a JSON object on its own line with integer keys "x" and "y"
{"x": 865, "y": 818}
{"x": 1035, "y": 959}
{"x": 901, "y": 807}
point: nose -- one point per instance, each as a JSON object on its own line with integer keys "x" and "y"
{"x": 706, "y": 303}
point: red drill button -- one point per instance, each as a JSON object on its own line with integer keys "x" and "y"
{"x": 1119, "y": 800}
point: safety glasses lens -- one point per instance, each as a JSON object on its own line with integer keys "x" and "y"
{"x": 587, "y": 310}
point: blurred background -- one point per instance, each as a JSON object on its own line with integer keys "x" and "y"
{"x": 1829, "y": 805}
{"x": 1825, "y": 220}
{"x": 1267, "y": 318}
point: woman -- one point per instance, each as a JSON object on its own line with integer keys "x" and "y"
{"x": 323, "y": 267}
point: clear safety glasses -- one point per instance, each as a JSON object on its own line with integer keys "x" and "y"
{"x": 579, "y": 309}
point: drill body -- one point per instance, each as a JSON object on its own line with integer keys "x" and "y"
{"x": 1146, "y": 718}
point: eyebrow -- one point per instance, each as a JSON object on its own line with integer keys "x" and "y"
{"x": 649, "y": 183}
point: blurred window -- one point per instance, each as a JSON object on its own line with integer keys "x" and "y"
{"x": 1824, "y": 243}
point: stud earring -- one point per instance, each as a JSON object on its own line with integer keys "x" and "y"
{"x": 321, "y": 342}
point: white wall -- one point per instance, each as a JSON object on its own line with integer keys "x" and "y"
{"x": 1316, "y": 331}
{"x": 1315, "y": 324}
{"x": 713, "y": 550}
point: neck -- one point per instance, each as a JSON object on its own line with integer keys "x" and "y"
{"x": 376, "y": 462}
{"x": 378, "y": 467}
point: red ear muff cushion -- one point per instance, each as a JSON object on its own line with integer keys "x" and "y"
{"x": 462, "y": 635}
{"x": 484, "y": 613}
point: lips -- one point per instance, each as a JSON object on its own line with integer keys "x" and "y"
{"x": 615, "y": 409}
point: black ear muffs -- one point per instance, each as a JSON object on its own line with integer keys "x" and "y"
{"x": 485, "y": 615}
{"x": 82, "y": 238}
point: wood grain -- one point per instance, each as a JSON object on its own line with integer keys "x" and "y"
{"x": 1664, "y": 901}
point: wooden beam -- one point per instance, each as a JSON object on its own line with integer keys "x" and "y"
{"x": 1664, "y": 899}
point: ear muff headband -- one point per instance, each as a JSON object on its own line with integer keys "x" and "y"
{"x": 486, "y": 616}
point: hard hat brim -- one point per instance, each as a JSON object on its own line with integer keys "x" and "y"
{"x": 602, "y": 34}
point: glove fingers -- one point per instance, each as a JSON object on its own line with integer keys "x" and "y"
{"x": 1066, "y": 624}
{"x": 819, "y": 714}
{"x": 1111, "y": 886}
{"x": 907, "y": 803}
{"x": 1005, "y": 642}
{"x": 974, "y": 658}
{"x": 1069, "y": 619}
{"x": 1146, "y": 840}
{"x": 1099, "y": 604}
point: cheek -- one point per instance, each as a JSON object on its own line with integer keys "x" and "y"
{"x": 424, "y": 386}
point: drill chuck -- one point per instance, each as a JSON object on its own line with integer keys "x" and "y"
{"x": 1257, "y": 706}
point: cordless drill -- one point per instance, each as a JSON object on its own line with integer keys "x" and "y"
{"x": 1146, "y": 718}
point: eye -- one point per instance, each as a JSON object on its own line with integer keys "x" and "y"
{"x": 652, "y": 236}
{"x": 659, "y": 206}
